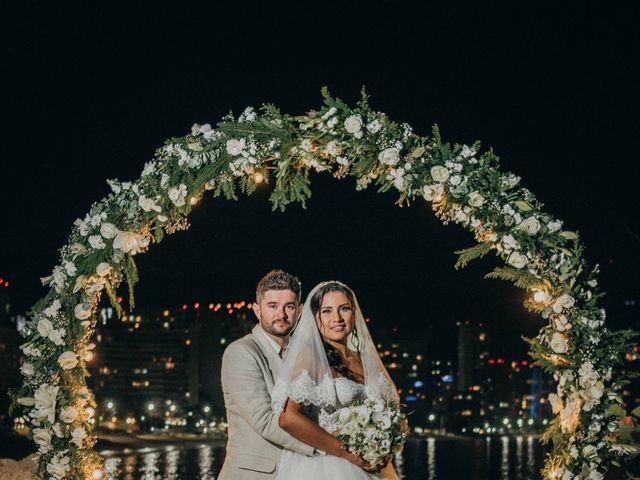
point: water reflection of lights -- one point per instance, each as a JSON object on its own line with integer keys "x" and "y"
{"x": 431, "y": 458}
{"x": 397, "y": 463}
{"x": 150, "y": 465}
{"x": 205, "y": 462}
{"x": 112, "y": 467}
{"x": 504, "y": 466}
{"x": 530, "y": 457}
{"x": 130, "y": 462}
{"x": 172, "y": 459}
{"x": 519, "y": 452}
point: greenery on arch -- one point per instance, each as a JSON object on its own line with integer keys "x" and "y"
{"x": 591, "y": 430}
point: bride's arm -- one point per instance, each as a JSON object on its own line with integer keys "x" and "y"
{"x": 294, "y": 422}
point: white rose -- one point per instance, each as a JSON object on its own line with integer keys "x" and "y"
{"x": 344, "y": 414}
{"x": 554, "y": 226}
{"x": 177, "y": 194}
{"x": 108, "y": 230}
{"x": 517, "y": 260}
{"x": 70, "y": 268}
{"x": 27, "y": 369}
{"x": 78, "y": 435}
{"x": 103, "y": 269}
{"x": 58, "y": 467}
{"x": 353, "y": 124}
{"x": 389, "y": 156}
{"x": 589, "y": 451}
{"x": 68, "y": 414}
{"x": 148, "y": 204}
{"x": 597, "y": 390}
{"x": 44, "y": 328}
{"x": 467, "y": 151}
{"x": 332, "y": 148}
{"x": 509, "y": 243}
{"x": 530, "y": 225}
{"x": 68, "y": 360}
{"x": 42, "y": 437}
{"x": 455, "y": 180}
{"x": 563, "y": 301}
{"x": 475, "y": 199}
{"x": 374, "y": 126}
{"x": 559, "y": 343}
{"x": 595, "y": 475}
{"x": 128, "y": 242}
{"x": 432, "y": 192}
{"x": 235, "y": 147}
{"x": 439, "y": 174}
{"x": 561, "y": 323}
{"x": 57, "y": 429}
{"x": 57, "y": 335}
{"x": 45, "y": 402}
{"x": 82, "y": 311}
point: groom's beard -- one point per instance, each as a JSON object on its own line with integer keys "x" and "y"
{"x": 271, "y": 330}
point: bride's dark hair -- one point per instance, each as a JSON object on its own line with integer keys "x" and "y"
{"x": 333, "y": 357}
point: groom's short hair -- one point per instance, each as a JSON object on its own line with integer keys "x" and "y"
{"x": 278, "y": 280}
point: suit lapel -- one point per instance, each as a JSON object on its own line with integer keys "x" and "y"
{"x": 267, "y": 350}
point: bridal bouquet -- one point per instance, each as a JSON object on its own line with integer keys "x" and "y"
{"x": 371, "y": 428}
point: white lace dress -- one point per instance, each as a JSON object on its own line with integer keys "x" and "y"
{"x": 294, "y": 466}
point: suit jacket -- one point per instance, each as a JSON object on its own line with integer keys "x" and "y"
{"x": 249, "y": 368}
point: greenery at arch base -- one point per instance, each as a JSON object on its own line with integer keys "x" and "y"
{"x": 591, "y": 429}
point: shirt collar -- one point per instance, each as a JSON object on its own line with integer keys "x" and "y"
{"x": 276, "y": 347}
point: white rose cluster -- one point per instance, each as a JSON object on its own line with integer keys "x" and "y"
{"x": 245, "y": 153}
{"x": 371, "y": 428}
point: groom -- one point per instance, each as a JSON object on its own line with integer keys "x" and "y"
{"x": 250, "y": 366}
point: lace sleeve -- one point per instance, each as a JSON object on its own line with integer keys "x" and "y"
{"x": 303, "y": 389}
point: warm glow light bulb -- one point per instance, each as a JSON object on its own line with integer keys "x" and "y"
{"x": 97, "y": 474}
{"x": 259, "y": 178}
{"x": 540, "y": 296}
{"x": 193, "y": 200}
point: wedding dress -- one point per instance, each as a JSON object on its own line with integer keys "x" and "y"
{"x": 306, "y": 378}
{"x": 294, "y": 466}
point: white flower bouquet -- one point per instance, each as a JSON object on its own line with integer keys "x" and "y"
{"x": 372, "y": 428}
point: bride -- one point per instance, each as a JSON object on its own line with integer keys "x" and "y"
{"x": 330, "y": 363}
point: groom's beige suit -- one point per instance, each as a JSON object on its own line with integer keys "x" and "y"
{"x": 250, "y": 366}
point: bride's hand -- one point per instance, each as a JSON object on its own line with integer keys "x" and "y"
{"x": 355, "y": 459}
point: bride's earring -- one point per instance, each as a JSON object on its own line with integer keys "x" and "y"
{"x": 355, "y": 340}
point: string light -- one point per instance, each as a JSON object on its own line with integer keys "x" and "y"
{"x": 193, "y": 200}
{"x": 96, "y": 474}
{"x": 541, "y": 297}
{"x": 258, "y": 177}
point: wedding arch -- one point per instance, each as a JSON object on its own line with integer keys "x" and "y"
{"x": 463, "y": 186}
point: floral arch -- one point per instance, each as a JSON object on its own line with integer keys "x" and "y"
{"x": 462, "y": 185}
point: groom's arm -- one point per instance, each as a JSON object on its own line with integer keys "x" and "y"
{"x": 243, "y": 380}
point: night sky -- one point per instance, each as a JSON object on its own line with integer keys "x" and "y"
{"x": 89, "y": 93}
